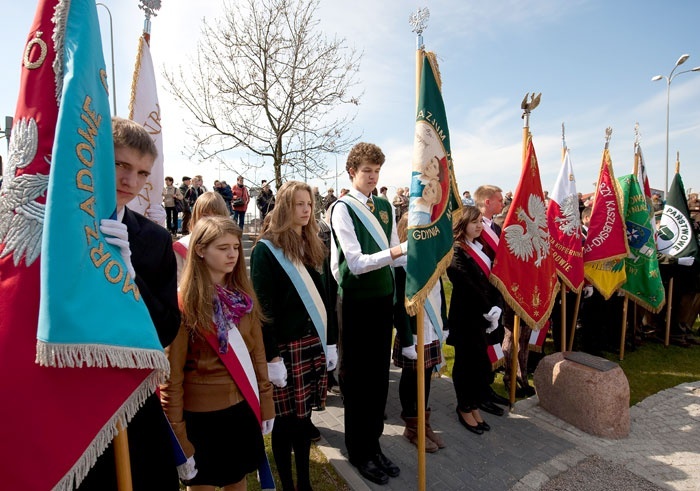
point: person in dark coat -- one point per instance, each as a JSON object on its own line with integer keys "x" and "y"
{"x": 475, "y": 310}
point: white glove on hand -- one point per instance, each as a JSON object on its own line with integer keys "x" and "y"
{"x": 267, "y": 426}
{"x": 686, "y": 261}
{"x": 445, "y": 334}
{"x": 587, "y": 291}
{"x": 187, "y": 470}
{"x": 156, "y": 214}
{"x": 404, "y": 247}
{"x": 494, "y": 313}
{"x": 409, "y": 352}
{"x": 277, "y": 373}
{"x": 494, "y": 326}
{"x": 118, "y": 236}
{"x": 331, "y": 357}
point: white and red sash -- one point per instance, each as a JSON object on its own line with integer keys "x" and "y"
{"x": 489, "y": 235}
{"x": 239, "y": 365}
{"x": 478, "y": 255}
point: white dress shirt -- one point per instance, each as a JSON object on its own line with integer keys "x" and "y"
{"x": 343, "y": 228}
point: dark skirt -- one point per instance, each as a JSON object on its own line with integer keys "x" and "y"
{"x": 431, "y": 352}
{"x": 307, "y": 378}
{"x": 228, "y": 444}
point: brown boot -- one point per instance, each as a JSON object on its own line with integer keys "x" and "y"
{"x": 411, "y": 434}
{"x": 430, "y": 434}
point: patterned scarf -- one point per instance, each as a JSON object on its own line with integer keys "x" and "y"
{"x": 229, "y": 307}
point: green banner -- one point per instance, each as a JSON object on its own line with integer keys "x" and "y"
{"x": 433, "y": 198}
{"x": 643, "y": 283}
{"x": 676, "y": 236}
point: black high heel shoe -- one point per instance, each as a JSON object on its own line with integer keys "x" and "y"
{"x": 474, "y": 429}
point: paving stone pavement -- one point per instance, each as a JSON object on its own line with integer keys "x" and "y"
{"x": 527, "y": 447}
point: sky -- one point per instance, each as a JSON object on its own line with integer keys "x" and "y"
{"x": 592, "y": 60}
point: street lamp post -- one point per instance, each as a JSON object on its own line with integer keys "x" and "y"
{"x": 669, "y": 79}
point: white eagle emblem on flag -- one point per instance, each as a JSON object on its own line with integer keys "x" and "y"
{"x": 21, "y": 217}
{"x": 534, "y": 238}
{"x": 569, "y": 221}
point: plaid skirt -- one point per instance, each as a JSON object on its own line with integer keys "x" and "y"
{"x": 307, "y": 378}
{"x": 431, "y": 352}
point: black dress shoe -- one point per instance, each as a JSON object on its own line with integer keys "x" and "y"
{"x": 386, "y": 465}
{"x": 498, "y": 399}
{"x": 490, "y": 407}
{"x": 474, "y": 429}
{"x": 484, "y": 426}
{"x": 370, "y": 471}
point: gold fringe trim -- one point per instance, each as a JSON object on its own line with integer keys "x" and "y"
{"x": 60, "y": 20}
{"x": 519, "y": 311}
{"x": 643, "y": 303}
{"x": 104, "y": 437}
{"x": 597, "y": 286}
{"x": 135, "y": 77}
{"x": 568, "y": 283}
{"x": 432, "y": 58}
{"x": 99, "y": 355}
{"x": 414, "y": 304}
{"x": 498, "y": 364}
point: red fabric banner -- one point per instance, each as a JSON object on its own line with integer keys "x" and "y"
{"x": 524, "y": 270}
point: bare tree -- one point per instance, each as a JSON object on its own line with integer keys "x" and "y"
{"x": 267, "y": 81}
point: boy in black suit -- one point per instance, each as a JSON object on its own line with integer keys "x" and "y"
{"x": 147, "y": 250}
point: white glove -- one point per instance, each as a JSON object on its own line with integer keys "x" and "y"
{"x": 494, "y": 313}
{"x": 686, "y": 261}
{"x": 187, "y": 470}
{"x": 445, "y": 334}
{"x": 331, "y": 357}
{"x": 156, "y": 214}
{"x": 277, "y": 373}
{"x": 267, "y": 426}
{"x": 409, "y": 352}
{"x": 404, "y": 247}
{"x": 587, "y": 291}
{"x": 118, "y": 236}
{"x": 493, "y": 327}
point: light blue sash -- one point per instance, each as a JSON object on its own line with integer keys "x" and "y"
{"x": 432, "y": 308}
{"x": 306, "y": 288}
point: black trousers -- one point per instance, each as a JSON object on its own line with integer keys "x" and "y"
{"x": 365, "y": 352}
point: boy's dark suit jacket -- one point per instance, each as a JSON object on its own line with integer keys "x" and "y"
{"x": 152, "y": 461}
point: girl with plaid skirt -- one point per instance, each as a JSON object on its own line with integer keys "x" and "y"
{"x": 299, "y": 328}
{"x": 405, "y": 356}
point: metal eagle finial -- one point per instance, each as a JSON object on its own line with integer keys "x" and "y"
{"x": 419, "y": 23}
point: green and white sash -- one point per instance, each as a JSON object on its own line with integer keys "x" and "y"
{"x": 368, "y": 220}
{"x": 306, "y": 288}
{"x": 433, "y": 309}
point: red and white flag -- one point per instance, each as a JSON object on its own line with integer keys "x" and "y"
{"x": 564, "y": 222}
{"x": 496, "y": 356}
{"x": 524, "y": 270}
{"x": 537, "y": 338}
{"x": 145, "y": 110}
{"x": 606, "y": 242}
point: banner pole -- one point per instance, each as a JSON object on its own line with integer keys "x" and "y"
{"x": 669, "y": 305}
{"x": 419, "y": 22}
{"x": 563, "y": 317}
{"x": 420, "y": 368}
{"x": 572, "y": 332}
{"x": 122, "y": 460}
{"x": 623, "y": 331}
{"x": 514, "y": 360}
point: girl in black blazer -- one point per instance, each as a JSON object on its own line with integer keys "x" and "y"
{"x": 475, "y": 309}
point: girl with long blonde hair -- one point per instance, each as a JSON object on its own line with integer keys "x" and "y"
{"x": 299, "y": 326}
{"x": 216, "y": 405}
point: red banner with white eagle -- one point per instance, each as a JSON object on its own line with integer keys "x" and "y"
{"x": 524, "y": 270}
{"x": 565, "y": 227}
